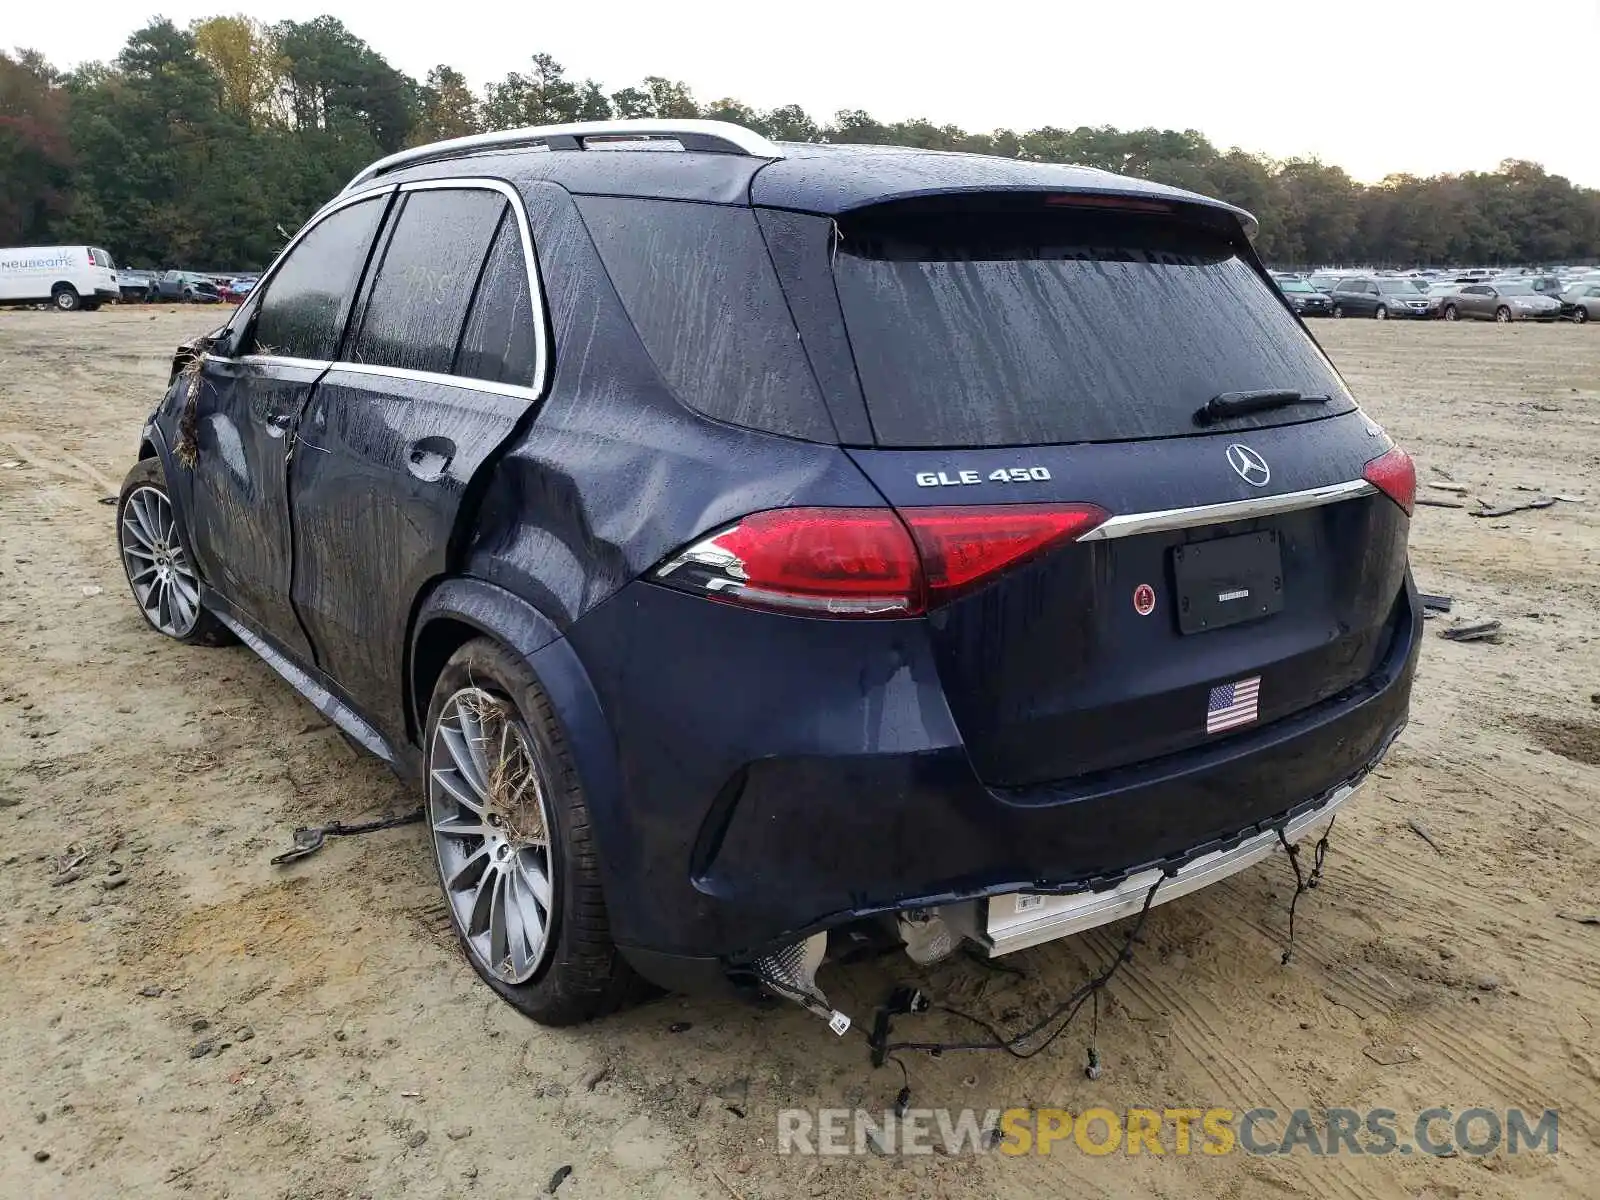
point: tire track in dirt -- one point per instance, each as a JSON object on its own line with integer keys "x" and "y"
{"x": 55, "y": 461}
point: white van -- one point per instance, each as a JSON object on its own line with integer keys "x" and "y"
{"x": 69, "y": 277}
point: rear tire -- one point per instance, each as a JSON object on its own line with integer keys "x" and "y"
{"x": 65, "y": 297}
{"x": 513, "y": 844}
{"x": 1502, "y": 314}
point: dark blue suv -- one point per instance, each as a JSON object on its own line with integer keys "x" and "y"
{"x": 746, "y": 543}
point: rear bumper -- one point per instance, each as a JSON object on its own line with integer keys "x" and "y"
{"x": 745, "y": 820}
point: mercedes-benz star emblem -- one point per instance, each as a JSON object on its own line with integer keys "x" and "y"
{"x": 1252, "y": 468}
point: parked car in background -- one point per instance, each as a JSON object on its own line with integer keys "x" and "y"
{"x": 1307, "y": 301}
{"x": 1380, "y": 298}
{"x": 1515, "y": 301}
{"x": 1581, "y": 302}
{"x": 1007, "y": 668}
{"x": 68, "y": 277}
{"x": 136, "y": 286}
{"x": 188, "y": 287}
{"x": 1324, "y": 281}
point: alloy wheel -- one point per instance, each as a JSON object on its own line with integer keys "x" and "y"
{"x": 1382, "y": 314}
{"x": 164, "y": 584}
{"x": 489, "y": 810}
{"x": 1502, "y": 315}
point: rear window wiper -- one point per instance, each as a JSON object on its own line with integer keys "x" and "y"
{"x": 1237, "y": 404}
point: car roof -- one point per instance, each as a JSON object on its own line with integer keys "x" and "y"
{"x": 721, "y": 163}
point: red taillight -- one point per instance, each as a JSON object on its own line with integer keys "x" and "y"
{"x": 869, "y": 562}
{"x": 962, "y": 547}
{"x": 1395, "y": 475}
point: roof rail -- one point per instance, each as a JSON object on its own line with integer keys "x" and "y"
{"x": 716, "y": 137}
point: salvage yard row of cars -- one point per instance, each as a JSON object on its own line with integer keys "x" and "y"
{"x": 1574, "y": 296}
{"x": 183, "y": 287}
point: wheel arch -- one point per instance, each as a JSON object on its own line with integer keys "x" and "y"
{"x": 454, "y": 610}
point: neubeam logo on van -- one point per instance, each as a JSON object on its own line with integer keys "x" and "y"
{"x": 35, "y": 264}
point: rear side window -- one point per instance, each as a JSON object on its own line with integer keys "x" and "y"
{"x": 972, "y": 330}
{"x": 498, "y": 341}
{"x": 698, "y": 286}
{"x": 426, "y": 278}
{"x": 307, "y": 300}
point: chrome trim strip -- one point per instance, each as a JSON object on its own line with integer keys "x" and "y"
{"x": 736, "y": 137}
{"x": 1132, "y": 524}
{"x": 1063, "y": 915}
{"x": 460, "y": 381}
{"x": 530, "y": 263}
{"x": 541, "y": 349}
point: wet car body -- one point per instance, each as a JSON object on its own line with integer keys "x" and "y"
{"x": 721, "y": 359}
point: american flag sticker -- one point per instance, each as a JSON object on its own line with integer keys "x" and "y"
{"x": 1233, "y": 704}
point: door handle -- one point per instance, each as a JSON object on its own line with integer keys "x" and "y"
{"x": 430, "y": 457}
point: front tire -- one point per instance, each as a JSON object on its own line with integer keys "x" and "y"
{"x": 66, "y": 299}
{"x": 1580, "y": 315}
{"x": 164, "y": 582}
{"x": 512, "y": 842}
{"x": 1502, "y": 315}
{"x": 1450, "y": 313}
{"x": 1338, "y": 310}
{"x": 1380, "y": 313}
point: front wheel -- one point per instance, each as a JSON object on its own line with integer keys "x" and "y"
{"x": 66, "y": 298}
{"x": 1580, "y": 315}
{"x": 163, "y": 580}
{"x": 1380, "y": 313}
{"x": 513, "y": 845}
{"x": 1449, "y": 313}
{"x": 1502, "y": 314}
{"x": 1338, "y": 310}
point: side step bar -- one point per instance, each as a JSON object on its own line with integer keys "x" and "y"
{"x": 324, "y": 701}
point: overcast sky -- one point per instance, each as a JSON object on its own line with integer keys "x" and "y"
{"x": 1374, "y": 87}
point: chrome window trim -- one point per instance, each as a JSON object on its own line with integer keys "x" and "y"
{"x": 541, "y": 351}
{"x": 460, "y": 381}
{"x": 1133, "y": 524}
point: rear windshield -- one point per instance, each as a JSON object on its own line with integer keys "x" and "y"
{"x": 1040, "y": 328}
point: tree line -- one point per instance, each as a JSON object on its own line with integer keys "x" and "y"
{"x": 195, "y": 145}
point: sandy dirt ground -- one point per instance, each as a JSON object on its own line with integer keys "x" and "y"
{"x": 216, "y": 1026}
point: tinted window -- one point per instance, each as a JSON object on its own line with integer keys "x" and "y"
{"x": 498, "y": 342}
{"x": 699, "y": 287}
{"x": 1039, "y": 329}
{"x": 305, "y": 305}
{"x": 422, "y": 285}
{"x": 1351, "y": 285}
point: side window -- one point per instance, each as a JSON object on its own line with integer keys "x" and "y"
{"x": 425, "y": 281}
{"x": 498, "y": 342}
{"x": 308, "y": 298}
{"x": 699, "y": 287}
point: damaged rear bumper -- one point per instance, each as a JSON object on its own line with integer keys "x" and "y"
{"x": 793, "y": 845}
